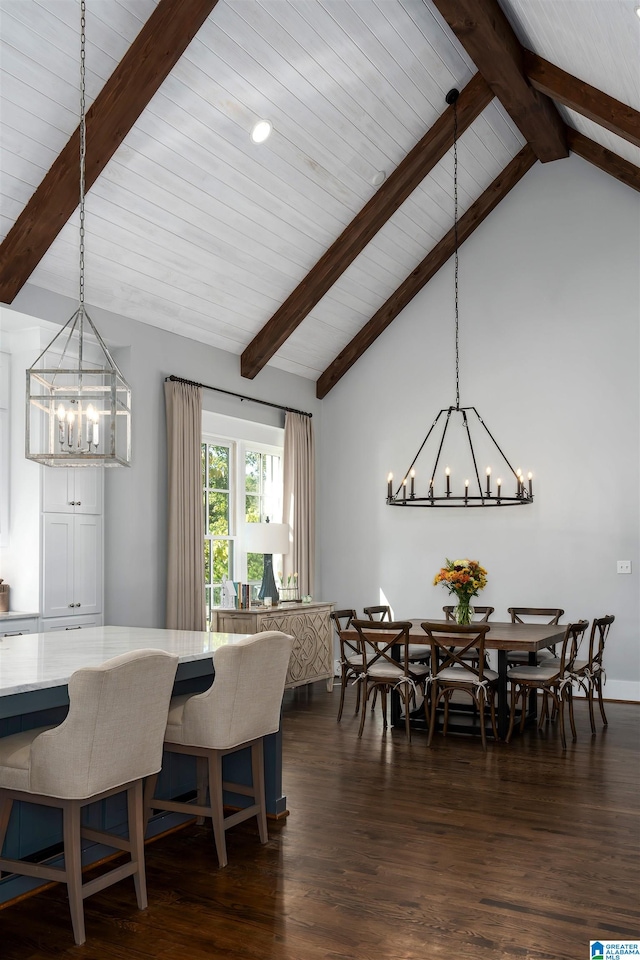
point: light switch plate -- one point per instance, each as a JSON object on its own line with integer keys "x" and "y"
{"x": 624, "y": 566}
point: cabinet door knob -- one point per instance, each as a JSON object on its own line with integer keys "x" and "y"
{"x": 77, "y": 604}
{"x": 72, "y": 604}
{"x": 78, "y": 503}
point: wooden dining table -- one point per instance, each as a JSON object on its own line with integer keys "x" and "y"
{"x": 504, "y": 637}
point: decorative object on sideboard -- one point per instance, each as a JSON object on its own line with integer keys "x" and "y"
{"x": 268, "y": 538}
{"x": 78, "y": 404}
{"x": 4, "y": 596}
{"x": 289, "y": 592}
{"x": 443, "y": 488}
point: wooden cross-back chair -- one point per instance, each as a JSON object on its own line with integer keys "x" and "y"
{"x": 589, "y": 673}
{"x": 350, "y": 655}
{"x": 458, "y": 665}
{"x": 483, "y": 613}
{"x": 381, "y": 612}
{"x": 547, "y": 615}
{"x": 553, "y": 678}
{"x": 383, "y": 672}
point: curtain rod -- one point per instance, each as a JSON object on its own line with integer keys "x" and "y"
{"x": 241, "y": 396}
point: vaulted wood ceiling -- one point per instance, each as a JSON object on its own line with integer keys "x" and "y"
{"x": 287, "y": 253}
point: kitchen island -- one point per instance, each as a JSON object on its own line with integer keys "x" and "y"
{"x": 34, "y": 672}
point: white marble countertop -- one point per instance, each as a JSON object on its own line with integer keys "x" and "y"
{"x": 37, "y": 661}
{"x": 17, "y": 615}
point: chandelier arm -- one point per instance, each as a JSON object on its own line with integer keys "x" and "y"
{"x": 104, "y": 346}
{"x": 473, "y": 452}
{"x": 497, "y": 445}
{"x": 435, "y": 465}
{"x": 431, "y": 428}
{"x": 72, "y": 319}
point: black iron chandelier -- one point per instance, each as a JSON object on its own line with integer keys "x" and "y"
{"x": 465, "y": 488}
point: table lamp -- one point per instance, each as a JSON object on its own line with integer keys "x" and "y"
{"x": 267, "y": 538}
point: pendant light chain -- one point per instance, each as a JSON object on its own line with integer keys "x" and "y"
{"x": 455, "y": 243}
{"x": 83, "y": 142}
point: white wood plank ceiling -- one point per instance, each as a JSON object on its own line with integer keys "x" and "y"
{"x": 194, "y": 228}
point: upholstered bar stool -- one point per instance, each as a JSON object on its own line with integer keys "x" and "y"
{"x": 240, "y": 708}
{"x": 109, "y": 741}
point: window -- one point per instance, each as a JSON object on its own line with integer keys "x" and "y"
{"x": 242, "y": 483}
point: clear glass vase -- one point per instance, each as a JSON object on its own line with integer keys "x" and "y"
{"x": 463, "y": 612}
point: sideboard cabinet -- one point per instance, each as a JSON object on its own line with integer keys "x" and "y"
{"x": 308, "y": 623}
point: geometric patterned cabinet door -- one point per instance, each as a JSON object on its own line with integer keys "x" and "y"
{"x": 308, "y": 623}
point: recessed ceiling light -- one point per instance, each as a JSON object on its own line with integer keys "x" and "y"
{"x": 261, "y": 131}
{"x": 378, "y": 178}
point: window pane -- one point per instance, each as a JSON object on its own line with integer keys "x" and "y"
{"x": 207, "y": 561}
{"x": 222, "y": 557}
{"x": 255, "y": 566}
{"x": 252, "y": 509}
{"x": 252, "y": 468}
{"x": 218, "y": 467}
{"x": 219, "y": 514}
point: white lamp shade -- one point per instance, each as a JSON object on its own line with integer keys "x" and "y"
{"x": 267, "y": 537}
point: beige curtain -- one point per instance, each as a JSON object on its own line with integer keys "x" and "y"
{"x": 185, "y": 554}
{"x": 299, "y": 505}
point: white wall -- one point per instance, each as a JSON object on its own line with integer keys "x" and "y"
{"x": 549, "y": 343}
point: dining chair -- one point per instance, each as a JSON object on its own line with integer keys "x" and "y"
{"x": 553, "y": 678}
{"x": 388, "y": 673}
{"x": 547, "y": 615}
{"x": 351, "y": 662}
{"x": 109, "y": 741}
{"x": 458, "y": 665}
{"x": 483, "y": 613}
{"x": 589, "y": 673}
{"x": 240, "y": 708}
{"x": 418, "y": 653}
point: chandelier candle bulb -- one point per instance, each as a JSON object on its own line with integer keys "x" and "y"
{"x": 413, "y": 483}
{"x": 404, "y": 489}
{"x": 488, "y": 481}
{"x": 389, "y": 486}
{"x": 530, "y": 479}
{"x": 447, "y": 474}
{"x": 498, "y": 485}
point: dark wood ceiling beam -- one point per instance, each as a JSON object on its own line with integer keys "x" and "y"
{"x": 150, "y": 58}
{"x": 419, "y": 277}
{"x": 592, "y": 103}
{"x": 487, "y": 36}
{"x": 354, "y": 238}
{"x": 605, "y": 159}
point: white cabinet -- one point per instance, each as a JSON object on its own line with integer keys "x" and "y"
{"x": 15, "y": 625}
{"x": 72, "y": 565}
{"x": 72, "y": 490}
{"x": 70, "y": 623}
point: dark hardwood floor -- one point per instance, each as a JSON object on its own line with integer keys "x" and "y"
{"x": 391, "y": 852}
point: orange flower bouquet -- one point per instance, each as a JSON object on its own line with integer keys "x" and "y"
{"x": 464, "y": 578}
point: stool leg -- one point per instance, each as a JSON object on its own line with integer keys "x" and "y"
{"x": 5, "y": 813}
{"x": 216, "y": 799}
{"x": 202, "y": 782}
{"x": 73, "y": 866}
{"x": 136, "y": 838}
{"x": 149, "y": 791}
{"x": 257, "y": 771}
